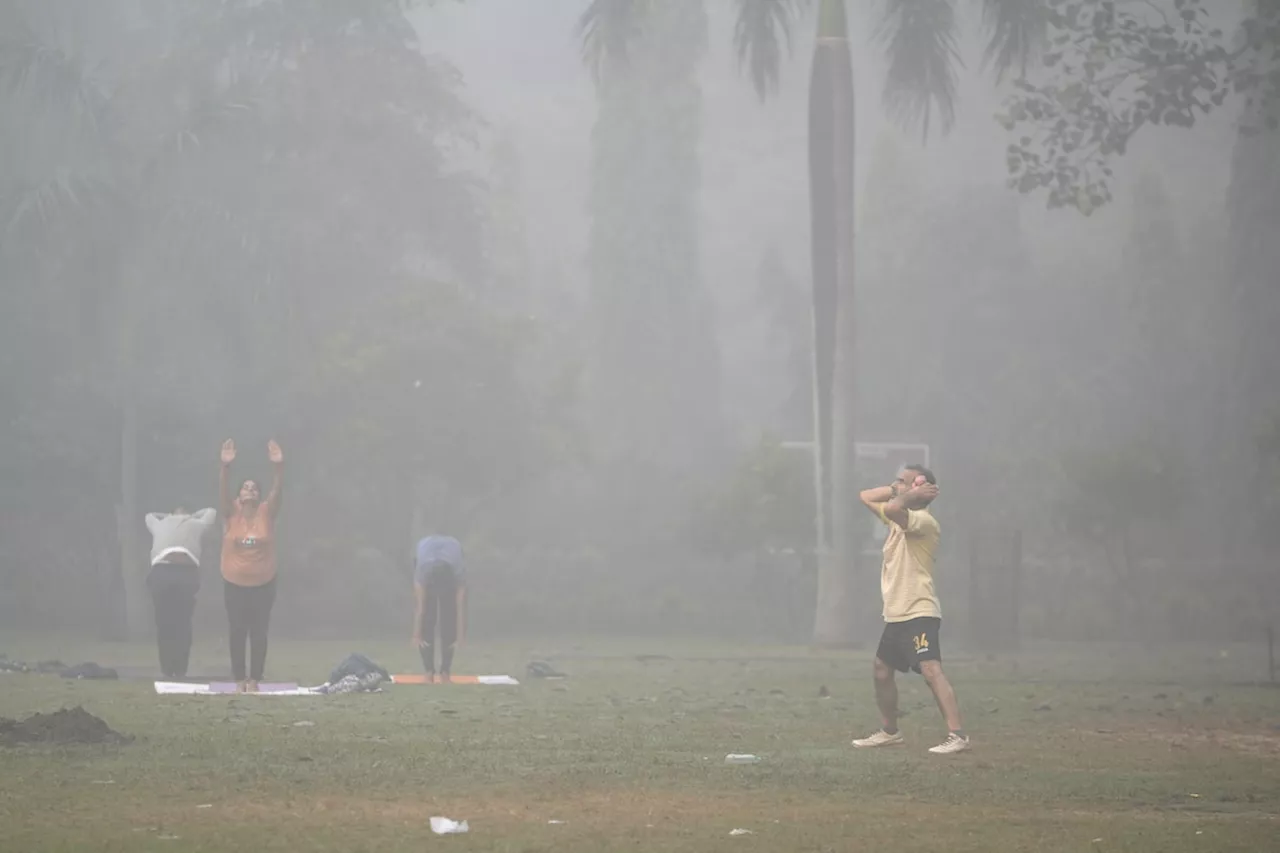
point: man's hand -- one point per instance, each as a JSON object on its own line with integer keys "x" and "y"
{"x": 228, "y": 452}
{"x": 920, "y": 495}
{"x": 416, "y": 641}
{"x": 274, "y": 453}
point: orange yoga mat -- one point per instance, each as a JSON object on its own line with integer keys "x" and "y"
{"x": 414, "y": 678}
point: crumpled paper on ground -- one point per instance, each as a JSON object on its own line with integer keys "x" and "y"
{"x": 447, "y": 826}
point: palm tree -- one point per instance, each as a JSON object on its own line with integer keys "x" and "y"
{"x": 919, "y": 39}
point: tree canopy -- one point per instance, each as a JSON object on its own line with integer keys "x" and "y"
{"x": 1112, "y": 69}
{"x": 211, "y": 229}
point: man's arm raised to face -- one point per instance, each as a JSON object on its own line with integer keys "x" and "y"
{"x": 898, "y": 509}
{"x": 874, "y": 499}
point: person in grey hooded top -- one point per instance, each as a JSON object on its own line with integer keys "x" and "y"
{"x": 174, "y": 580}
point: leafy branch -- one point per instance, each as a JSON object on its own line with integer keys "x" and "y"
{"x": 1113, "y": 68}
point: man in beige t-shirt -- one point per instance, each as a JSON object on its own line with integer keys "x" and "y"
{"x": 912, "y": 616}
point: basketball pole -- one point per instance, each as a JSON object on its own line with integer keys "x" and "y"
{"x": 1271, "y": 654}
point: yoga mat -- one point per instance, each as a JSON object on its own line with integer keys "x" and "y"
{"x": 413, "y": 678}
{"x": 263, "y": 687}
{"x": 182, "y": 688}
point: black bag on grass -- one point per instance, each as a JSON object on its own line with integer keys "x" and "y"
{"x": 357, "y": 665}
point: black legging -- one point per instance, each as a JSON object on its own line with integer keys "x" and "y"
{"x": 249, "y": 616}
{"x": 441, "y": 601}
{"x": 173, "y": 592}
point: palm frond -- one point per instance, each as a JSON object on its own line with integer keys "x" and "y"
{"x": 762, "y": 30}
{"x": 920, "y": 39}
{"x": 1016, "y": 31}
{"x": 51, "y": 75}
{"x": 57, "y": 198}
{"x": 607, "y": 28}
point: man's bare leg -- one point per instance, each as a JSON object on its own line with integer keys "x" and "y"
{"x": 942, "y": 693}
{"x": 886, "y": 696}
{"x": 956, "y": 740}
{"x": 887, "y": 701}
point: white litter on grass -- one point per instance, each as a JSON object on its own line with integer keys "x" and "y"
{"x": 303, "y": 724}
{"x": 496, "y": 680}
{"x": 556, "y": 822}
{"x": 205, "y": 806}
{"x": 448, "y": 826}
{"x": 741, "y": 832}
{"x": 737, "y": 758}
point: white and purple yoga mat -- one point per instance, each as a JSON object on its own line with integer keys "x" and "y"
{"x": 224, "y": 688}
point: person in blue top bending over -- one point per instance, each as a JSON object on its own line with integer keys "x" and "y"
{"x": 439, "y": 596}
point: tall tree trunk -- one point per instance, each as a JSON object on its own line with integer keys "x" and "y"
{"x": 1246, "y": 392}
{"x": 831, "y": 157}
{"x": 128, "y": 518}
{"x": 128, "y": 514}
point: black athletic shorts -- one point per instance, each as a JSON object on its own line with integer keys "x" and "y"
{"x": 904, "y": 644}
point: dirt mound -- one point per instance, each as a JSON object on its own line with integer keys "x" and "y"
{"x": 70, "y": 725}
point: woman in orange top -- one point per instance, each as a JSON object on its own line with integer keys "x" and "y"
{"x": 249, "y": 564}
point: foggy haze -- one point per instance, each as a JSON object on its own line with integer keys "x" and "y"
{"x": 470, "y": 289}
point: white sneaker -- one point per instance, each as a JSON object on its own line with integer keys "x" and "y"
{"x": 953, "y": 744}
{"x": 880, "y": 738}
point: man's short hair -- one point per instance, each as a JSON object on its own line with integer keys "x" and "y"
{"x": 923, "y": 472}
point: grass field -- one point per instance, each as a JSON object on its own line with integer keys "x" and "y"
{"x": 1087, "y": 749}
